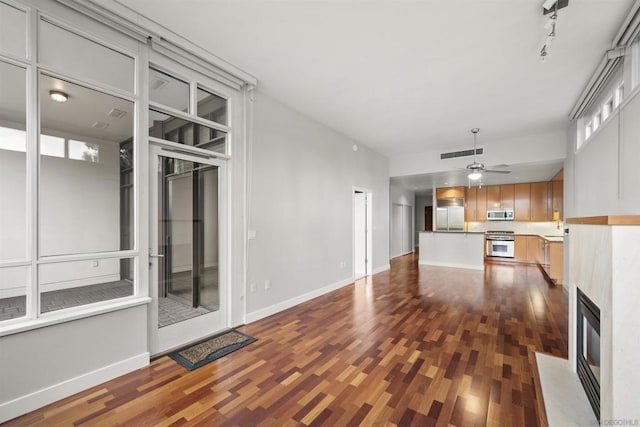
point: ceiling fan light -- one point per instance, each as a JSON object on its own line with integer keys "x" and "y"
{"x": 474, "y": 176}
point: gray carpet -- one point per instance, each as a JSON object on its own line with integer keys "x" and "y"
{"x": 14, "y": 307}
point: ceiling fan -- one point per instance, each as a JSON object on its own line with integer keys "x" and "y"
{"x": 476, "y": 169}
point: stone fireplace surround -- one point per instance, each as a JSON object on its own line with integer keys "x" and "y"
{"x": 604, "y": 262}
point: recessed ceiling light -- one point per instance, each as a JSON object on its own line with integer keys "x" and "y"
{"x": 58, "y": 96}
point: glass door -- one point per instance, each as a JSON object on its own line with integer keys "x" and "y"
{"x": 187, "y": 271}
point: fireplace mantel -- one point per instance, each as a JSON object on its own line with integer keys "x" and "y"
{"x": 606, "y": 220}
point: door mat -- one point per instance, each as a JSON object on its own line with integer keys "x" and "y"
{"x": 211, "y": 349}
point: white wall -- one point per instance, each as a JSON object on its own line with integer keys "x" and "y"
{"x": 523, "y": 149}
{"x": 421, "y": 202}
{"x": 80, "y": 213}
{"x": 303, "y": 175}
{"x": 13, "y": 206}
{"x": 80, "y": 203}
{"x": 602, "y": 177}
{"x": 43, "y": 365}
{"x": 401, "y": 223}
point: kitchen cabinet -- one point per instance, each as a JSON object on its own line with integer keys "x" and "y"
{"x": 450, "y": 193}
{"x": 540, "y": 203}
{"x": 470, "y": 204}
{"x": 525, "y": 249}
{"x": 494, "y": 199}
{"x": 555, "y": 261}
{"x": 520, "y": 248}
{"x": 549, "y": 255}
{"x": 522, "y": 202}
{"x": 507, "y": 196}
{"x": 481, "y": 204}
{"x": 557, "y": 197}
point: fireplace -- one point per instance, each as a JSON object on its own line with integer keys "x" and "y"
{"x": 588, "y": 349}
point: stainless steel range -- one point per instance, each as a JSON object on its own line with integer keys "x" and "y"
{"x": 500, "y": 244}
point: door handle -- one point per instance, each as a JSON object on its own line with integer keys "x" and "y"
{"x": 156, "y": 255}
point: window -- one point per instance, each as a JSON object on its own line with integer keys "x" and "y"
{"x": 79, "y": 197}
{"x": 13, "y": 299}
{"x": 52, "y": 146}
{"x": 596, "y": 121}
{"x": 13, "y": 31}
{"x": 79, "y": 150}
{"x": 70, "y": 284}
{"x": 167, "y": 90}
{"x": 212, "y": 107}
{"x": 13, "y": 164}
{"x": 70, "y": 53}
{"x": 607, "y": 108}
{"x": 618, "y": 96}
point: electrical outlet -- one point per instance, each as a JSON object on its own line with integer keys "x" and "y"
{"x": 252, "y": 287}
{"x": 267, "y": 284}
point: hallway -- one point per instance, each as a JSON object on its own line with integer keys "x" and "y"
{"x": 412, "y": 346}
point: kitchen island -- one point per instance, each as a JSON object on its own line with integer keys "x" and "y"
{"x": 452, "y": 249}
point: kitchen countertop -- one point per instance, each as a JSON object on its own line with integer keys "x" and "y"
{"x": 553, "y": 239}
{"x": 453, "y": 232}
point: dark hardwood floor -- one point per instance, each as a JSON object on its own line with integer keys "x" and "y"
{"x": 412, "y": 346}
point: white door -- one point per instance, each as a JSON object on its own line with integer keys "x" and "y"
{"x": 396, "y": 230}
{"x": 360, "y": 234}
{"x": 187, "y": 255}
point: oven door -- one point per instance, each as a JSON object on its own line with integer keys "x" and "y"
{"x": 501, "y": 248}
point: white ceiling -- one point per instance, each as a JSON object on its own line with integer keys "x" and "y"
{"x": 423, "y": 184}
{"x": 407, "y": 77}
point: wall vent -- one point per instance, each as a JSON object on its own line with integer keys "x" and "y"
{"x": 462, "y": 153}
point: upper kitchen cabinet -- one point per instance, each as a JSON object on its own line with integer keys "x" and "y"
{"x": 507, "y": 196}
{"x": 475, "y": 204}
{"x": 522, "y": 202}
{"x": 481, "y": 204}
{"x": 494, "y": 199}
{"x": 557, "y": 194}
{"x": 470, "y": 204}
{"x": 540, "y": 201}
{"x": 450, "y": 193}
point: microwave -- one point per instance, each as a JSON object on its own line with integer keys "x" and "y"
{"x": 500, "y": 215}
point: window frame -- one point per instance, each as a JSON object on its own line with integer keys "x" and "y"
{"x": 33, "y": 319}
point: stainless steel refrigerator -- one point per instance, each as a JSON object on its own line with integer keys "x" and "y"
{"x": 450, "y": 215}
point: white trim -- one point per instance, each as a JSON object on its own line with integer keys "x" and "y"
{"x": 170, "y": 111}
{"x": 130, "y": 22}
{"x": 452, "y": 265}
{"x": 381, "y": 269}
{"x": 70, "y": 314}
{"x": 281, "y": 306}
{"x": 45, "y": 396}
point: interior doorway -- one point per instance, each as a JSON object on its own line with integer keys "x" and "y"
{"x": 362, "y": 225}
{"x": 428, "y": 218}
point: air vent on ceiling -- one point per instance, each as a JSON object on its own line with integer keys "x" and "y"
{"x": 157, "y": 83}
{"x": 463, "y": 153}
{"x": 117, "y": 114}
{"x": 100, "y": 125}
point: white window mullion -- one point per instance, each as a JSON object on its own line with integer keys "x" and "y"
{"x": 33, "y": 127}
{"x": 141, "y": 177}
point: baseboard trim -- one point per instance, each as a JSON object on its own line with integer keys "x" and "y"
{"x": 381, "y": 268}
{"x": 76, "y": 283}
{"x": 38, "y": 399}
{"x": 281, "y": 306}
{"x": 452, "y": 265}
